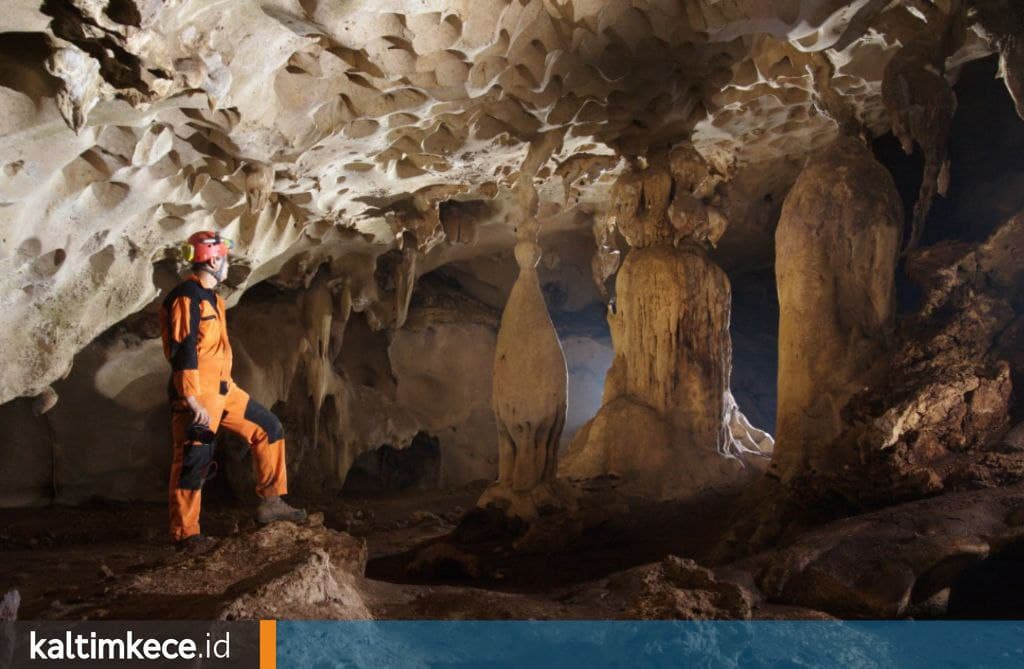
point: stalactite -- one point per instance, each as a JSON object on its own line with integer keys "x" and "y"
{"x": 317, "y": 317}
{"x": 921, "y": 104}
{"x": 405, "y": 278}
{"x": 259, "y": 183}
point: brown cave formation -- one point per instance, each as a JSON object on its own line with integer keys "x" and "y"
{"x": 836, "y": 248}
{"x": 530, "y": 380}
{"x": 664, "y": 427}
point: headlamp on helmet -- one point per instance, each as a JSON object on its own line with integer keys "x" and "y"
{"x": 205, "y": 246}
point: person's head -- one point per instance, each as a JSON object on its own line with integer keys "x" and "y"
{"x": 208, "y": 253}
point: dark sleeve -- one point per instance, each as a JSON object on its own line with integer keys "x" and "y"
{"x": 183, "y": 326}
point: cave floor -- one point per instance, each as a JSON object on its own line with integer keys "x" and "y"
{"x": 64, "y": 559}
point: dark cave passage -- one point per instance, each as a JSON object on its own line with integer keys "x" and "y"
{"x": 389, "y": 469}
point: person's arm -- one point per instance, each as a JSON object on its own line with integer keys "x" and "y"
{"x": 184, "y": 327}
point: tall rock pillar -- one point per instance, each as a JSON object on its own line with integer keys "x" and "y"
{"x": 530, "y": 382}
{"x": 836, "y": 250}
{"x": 664, "y": 424}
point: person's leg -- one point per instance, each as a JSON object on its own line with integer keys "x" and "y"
{"x": 265, "y": 436}
{"x": 262, "y": 430}
{"x": 185, "y": 500}
{"x": 183, "y": 505}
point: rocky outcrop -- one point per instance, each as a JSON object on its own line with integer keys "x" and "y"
{"x": 836, "y": 248}
{"x": 278, "y": 571}
{"x": 936, "y": 421}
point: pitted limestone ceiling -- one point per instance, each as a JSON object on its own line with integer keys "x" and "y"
{"x": 305, "y": 128}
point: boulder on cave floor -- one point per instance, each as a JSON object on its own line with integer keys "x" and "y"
{"x": 905, "y": 560}
{"x": 674, "y": 588}
{"x": 680, "y": 589}
{"x": 281, "y": 570}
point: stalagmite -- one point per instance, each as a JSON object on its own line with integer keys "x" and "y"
{"x": 835, "y": 261}
{"x": 530, "y": 381}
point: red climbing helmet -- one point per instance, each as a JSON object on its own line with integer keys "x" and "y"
{"x": 205, "y": 245}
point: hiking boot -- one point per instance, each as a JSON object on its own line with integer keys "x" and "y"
{"x": 197, "y": 544}
{"x": 275, "y": 508}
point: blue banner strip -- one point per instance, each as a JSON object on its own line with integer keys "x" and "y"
{"x": 629, "y": 645}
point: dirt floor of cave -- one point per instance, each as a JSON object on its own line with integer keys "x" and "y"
{"x": 60, "y": 557}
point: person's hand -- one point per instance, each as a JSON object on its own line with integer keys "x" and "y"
{"x": 200, "y": 415}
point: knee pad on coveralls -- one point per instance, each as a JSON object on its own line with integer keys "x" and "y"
{"x": 260, "y": 415}
{"x": 197, "y": 463}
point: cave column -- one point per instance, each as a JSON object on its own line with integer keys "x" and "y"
{"x": 530, "y": 385}
{"x": 836, "y": 249}
{"x": 664, "y": 427}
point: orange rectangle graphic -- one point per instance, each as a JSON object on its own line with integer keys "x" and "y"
{"x": 268, "y": 644}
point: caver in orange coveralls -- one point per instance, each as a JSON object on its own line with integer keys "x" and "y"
{"x": 195, "y": 337}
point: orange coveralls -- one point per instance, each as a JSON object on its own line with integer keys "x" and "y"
{"x": 195, "y": 338}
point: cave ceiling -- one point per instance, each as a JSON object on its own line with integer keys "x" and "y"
{"x": 318, "y": 132}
